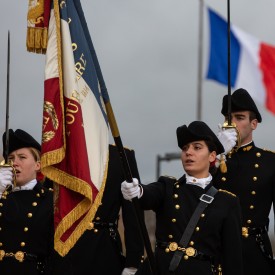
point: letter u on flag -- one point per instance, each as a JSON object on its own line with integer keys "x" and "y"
{"x": 75, "y": 133}
{"x": 252, "y": 61}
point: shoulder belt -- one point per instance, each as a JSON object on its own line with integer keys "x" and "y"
{"x": 205, "y": 200}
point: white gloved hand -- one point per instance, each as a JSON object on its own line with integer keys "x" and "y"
{"x": 6, "y": 177}
{"x": 129, "y": 271}
{"x": 227, "y": 137}
{"x": 131, "y": 190}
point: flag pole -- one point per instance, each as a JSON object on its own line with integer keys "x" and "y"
{"x": 126, "y": 168}
{"x": 200, "y": 56}
{"x": 118, "y": 142}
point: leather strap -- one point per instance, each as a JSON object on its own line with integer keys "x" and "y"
{"x": 205, "y": 200}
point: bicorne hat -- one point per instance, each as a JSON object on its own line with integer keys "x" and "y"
{"x": 20, "y": 139}
{"x": 197, "y": 130}
{"x": 240, "y": 101}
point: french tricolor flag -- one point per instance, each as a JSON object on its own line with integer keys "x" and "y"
{"x": 75, "y": 147}
{"x": 252, "y": 61}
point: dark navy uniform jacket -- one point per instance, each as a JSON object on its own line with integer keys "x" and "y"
{"x": 218, "y": 232}
{"x": 251, "y": 176}
{"x": 26, "y": 225}
{"x": 99, "y": 250}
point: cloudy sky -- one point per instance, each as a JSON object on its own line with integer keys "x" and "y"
{"x": 148, "y": 52}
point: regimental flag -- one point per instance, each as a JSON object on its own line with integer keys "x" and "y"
{"x": 252, "y": 61}
{"x": 75, "y": 127}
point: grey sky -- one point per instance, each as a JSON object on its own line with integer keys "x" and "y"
{"x": 148, "y": 55}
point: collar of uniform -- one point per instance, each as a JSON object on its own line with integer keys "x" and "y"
{"x": 247, "y": 147}
{"x": 29, "y": 186}
{"x": 198, "y": 182}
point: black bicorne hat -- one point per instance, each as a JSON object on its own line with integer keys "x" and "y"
{"x": 197, "y": 130}
{"x": 20, "y": 139}
{"x": 240, "y": 101}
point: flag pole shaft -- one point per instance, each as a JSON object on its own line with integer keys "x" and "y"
{"x": 229, "y": 63}
{"x": 129, "y": 178}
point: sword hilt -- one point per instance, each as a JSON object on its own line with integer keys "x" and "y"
{"x": 238, "y": 142}
{"x": 226, "y": 125}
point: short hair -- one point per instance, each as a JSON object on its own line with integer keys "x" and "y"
{"x": 36, "y": 153}
{"x": 211, "y": 147}
{"x": 252, "y": 115}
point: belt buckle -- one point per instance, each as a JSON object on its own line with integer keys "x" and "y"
{"x": 173, "y": 246}
{"x": 245, "y": 232}
{"x": 19, "y": 256}
{"x": 190, "y": 251}
{"x": 2, "y": 254}
{"x": 206, "y": 198}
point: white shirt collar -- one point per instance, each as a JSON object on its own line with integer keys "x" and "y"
{"x": 199, "y": 182}
{"x": 28, "y": 186}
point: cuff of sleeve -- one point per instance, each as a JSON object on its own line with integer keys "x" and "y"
{"x": 141, "y": 192}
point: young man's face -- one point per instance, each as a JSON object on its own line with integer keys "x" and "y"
{"x": 196, "y": 159}
{"x": 25, "y": 165}
{"x": 244, "y": 125}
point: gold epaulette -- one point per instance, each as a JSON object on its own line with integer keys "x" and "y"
{"x": 225, "y": 191}
{"x": 267, "y": 150}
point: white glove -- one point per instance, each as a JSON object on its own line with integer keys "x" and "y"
{"x": 129, "y": 271}
{"x": 227, "y": 137}
{"x": 131, "y": 190}
{"x": 6, "y": 177}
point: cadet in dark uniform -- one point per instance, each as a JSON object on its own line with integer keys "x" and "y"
{"x": 213, "y": 242}
{"x": 99, "y": 250}
{"x": 26, "y": 213}
{"x": 251, "y": 176}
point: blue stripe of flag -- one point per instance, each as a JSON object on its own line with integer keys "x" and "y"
{"x": 217, "y": 67}
{"x": 73, "y": 14}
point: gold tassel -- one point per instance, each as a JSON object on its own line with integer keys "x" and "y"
{"x": 37, "y": 32}
{"x": 223, "y": 166}
{"x": 37, "y": 39}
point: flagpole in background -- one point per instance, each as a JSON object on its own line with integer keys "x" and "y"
{"x": 118, "y": 142}
{"x": 200, "y": 56}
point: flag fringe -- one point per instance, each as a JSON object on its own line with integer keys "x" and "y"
{"x": 37, "y": 39}
{"x": 51, "y": 158}
{"x": 64, "y": 247}
{"x": 73, "y": 183}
